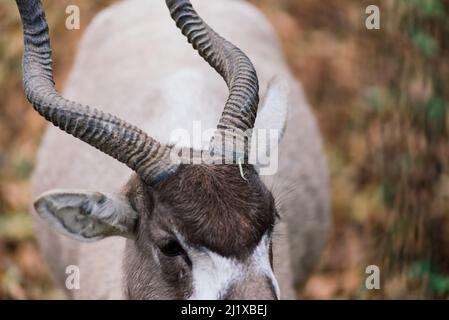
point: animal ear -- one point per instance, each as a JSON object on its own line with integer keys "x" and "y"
{"x": 270, "y": 123}
{"x": 273, "y": 114}
{"x": 87, "y": 216}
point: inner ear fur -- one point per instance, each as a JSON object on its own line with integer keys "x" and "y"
{"x": 86, "y": 215}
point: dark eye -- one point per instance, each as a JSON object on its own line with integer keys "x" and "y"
{"x": 172, "y": 249}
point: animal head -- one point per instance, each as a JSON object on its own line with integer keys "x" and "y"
{"x": 198, "y": 231}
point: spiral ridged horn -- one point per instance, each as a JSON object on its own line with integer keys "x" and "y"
{"x": 111, "y": 135}
{"x": 231, "y": 63}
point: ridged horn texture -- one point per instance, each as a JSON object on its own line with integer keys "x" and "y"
{"x": 232, "y": 64}
{"x": 111, "y": 135}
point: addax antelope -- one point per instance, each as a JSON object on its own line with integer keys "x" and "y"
{"x": 154, "y": 225}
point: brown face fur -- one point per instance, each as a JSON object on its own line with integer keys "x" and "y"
{"x": 209, "y": 206}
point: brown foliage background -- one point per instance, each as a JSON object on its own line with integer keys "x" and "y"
{"x": 380, "y": 97}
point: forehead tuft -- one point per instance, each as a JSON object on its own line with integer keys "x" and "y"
{"x": 213, "y": 207}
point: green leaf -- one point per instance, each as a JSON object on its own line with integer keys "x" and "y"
{"x": 425, "y": 43}
{"x": 428, "y": 8}
{"x": 436, "y": 108}
{"x": 16, "y": 226}
{"x": 439, "y": 284}
{"x": 23, "y": 168}
{"x": 421, "y": 268}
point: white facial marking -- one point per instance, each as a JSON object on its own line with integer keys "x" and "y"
{"x": 261, "y": 263}
{"x": 214, "y": 274}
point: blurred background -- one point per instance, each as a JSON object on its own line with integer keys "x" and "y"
{"x": 381, "y": 100}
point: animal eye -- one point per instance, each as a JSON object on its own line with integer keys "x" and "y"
{"x": 172, "y": 249}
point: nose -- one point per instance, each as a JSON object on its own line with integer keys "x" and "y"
{"x": 253, "y": 288}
